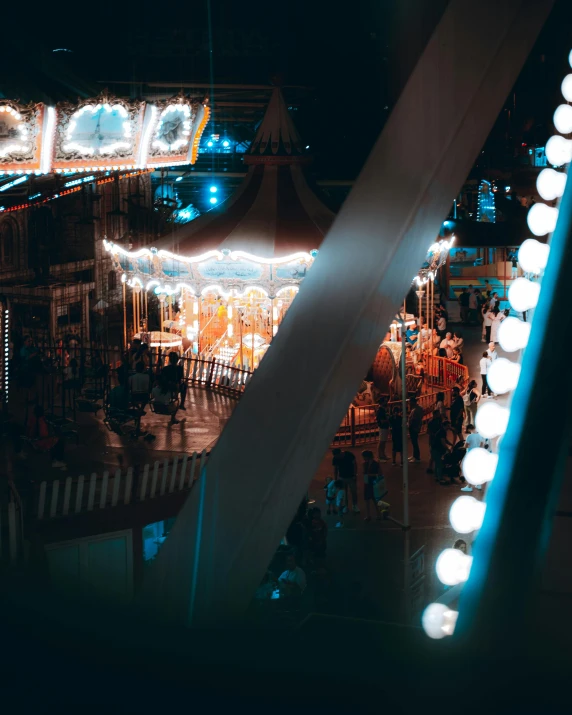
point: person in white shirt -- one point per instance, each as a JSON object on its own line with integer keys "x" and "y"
{"x": 293, "y": 580}
{"x": 495, "y": 325}
{"x": 491, "y": 352}
{"x": 441, "y": 324}
{"x": 485, "y": 362}
{"x": 448, "y": 344}
{"x": 488, "y": 321}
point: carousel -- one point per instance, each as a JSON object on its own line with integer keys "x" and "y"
{"x": 221, "y": 291}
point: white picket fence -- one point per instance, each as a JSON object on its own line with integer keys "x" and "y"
{"x": 77, "y": 495}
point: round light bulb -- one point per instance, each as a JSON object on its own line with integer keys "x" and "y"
{"x": 566, "y": 88}
{"x": 513, "y": 334}
{"x": 438, "y": 620}
{"x": 533, "y": 256}
{"x": 523, "y": 294}
{"x": 467, "y": 514}
{"x": 503, "y": 375}
{"x": 479, "y": 466}
{"x": 563, "y": 119}
{"x": 453, "y": 567}
{"x": 558, "y": 150}
{"x": 542, "y": 219}
{"x": 492, "y": 420}
{"x": 550, "y": 184}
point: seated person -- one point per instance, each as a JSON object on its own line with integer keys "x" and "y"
{"x": 140, "y": 383}
{"x": 293, "y": 581}
{"x": 38, "y": 431}
{"x": 118, "y": 398}
{"x": 162, "y": 394}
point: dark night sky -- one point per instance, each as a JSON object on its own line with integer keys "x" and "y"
{"x": 355, "y": 59}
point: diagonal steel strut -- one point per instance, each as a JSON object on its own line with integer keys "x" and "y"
{"x": 233, "y": 520}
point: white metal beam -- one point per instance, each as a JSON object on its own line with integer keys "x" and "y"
{"x": 264, "y": 461}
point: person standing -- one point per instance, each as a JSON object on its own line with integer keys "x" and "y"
{"x": 448, "y": 344}
{"x": 371, "y": 474}
{"x": 382, "y": 419}
{"x": 464, "y": 305}
{"x": 472, "y": 441}
{"x": 514, "y": 262}
{"x": 497, "y": 320}
{"x": 491, "y": 352}
{"x": 438, "y": 444}
{"x": 485, "y": 363}
{"x": 395, "y": 422}
{"x": 471, "y": 403}
{"x": 489, "y": 317}
{"x": 457, "y": 412}
{"x": 473, "y": 307}
{"x": 415, "y": 422}
{"x": 345, "y": 468}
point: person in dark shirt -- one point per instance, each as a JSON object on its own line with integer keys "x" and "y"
{"x": 457, "y": 412}
{"x": 345, "y": 468}
{"x": 174, "y": 375}
{"x": 317, "y": 534}
{"x": 415, "y": 423}
{"x": 396, "y": 424}
{"x": 383, "y": 424}
{"x": 438, "y": 444}
{"x": 464, "y": 305}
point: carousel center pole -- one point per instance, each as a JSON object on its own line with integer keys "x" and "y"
{"x": 124, "y": 315}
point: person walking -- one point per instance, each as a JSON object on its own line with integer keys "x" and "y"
{"x": 371, "y": 474}
{"x": 415, "y": 422}
{"x": 345, "y": 468}
{"x": 485, "y": 362}
{"x": 382, "y": 419}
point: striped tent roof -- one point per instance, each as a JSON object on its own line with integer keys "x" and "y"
{"x": 274, "y": 212}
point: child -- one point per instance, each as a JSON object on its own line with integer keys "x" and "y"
{"x": 331, "y": 491}
{"x": 340, "y": 502}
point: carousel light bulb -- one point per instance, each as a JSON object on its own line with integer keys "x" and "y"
{"x": 195, "y": 325}
{"x": 542, "y": 219}
{"x": 229, "y": 312}
{"x": 513, "y": 334}
{"x": 533, "y": 256}
{"x": 492, "y": 420}
{"x": 523, "y": 294}
{"x": 479, "y": 466}
{"x": 550, "y": 184}
{"x": 563, "y": 119}
{"x": 229, "y": 330}
{"x": 275, "y": 313}
{"x": 467, "y": 514}
{"x": 438, "y": 620}
{"x": 502, "y": 376}
{"x": 570, "y": 58}
{"x": 195, "y": 307}
{"x": 453, "y": 567}
{"x": 558, "y": 150}
{"x": 566, "y": 88}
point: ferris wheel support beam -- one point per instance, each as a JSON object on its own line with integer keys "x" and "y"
{"x": 267, "y": 455}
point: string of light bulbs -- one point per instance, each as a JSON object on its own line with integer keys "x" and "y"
{"x": 466, "y": 515}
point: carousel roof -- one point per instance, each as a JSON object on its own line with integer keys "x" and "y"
{"x": 274, "y": 213}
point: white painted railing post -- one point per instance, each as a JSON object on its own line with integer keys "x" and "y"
{"x": 79, "y": 494}
{"x": 144, "y": 482}
{"x": 42, "y": 500}
{"x": 67, "y": 494}
{"x": 192, "y": 470}
{"x": 91, "y": 494}
{"x": 103, "y": 493}
{"x": 173, "y": 474}
{"x": 54, "y": 500}
{"x": 183, "y": 471}
{"x": 116, "y": 485}
{"x": 128, "y": 485}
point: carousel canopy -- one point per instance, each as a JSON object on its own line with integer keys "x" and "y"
{"x": 274, "y": 213}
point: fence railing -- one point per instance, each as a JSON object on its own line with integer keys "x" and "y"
{"x": 60, "y": 498}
